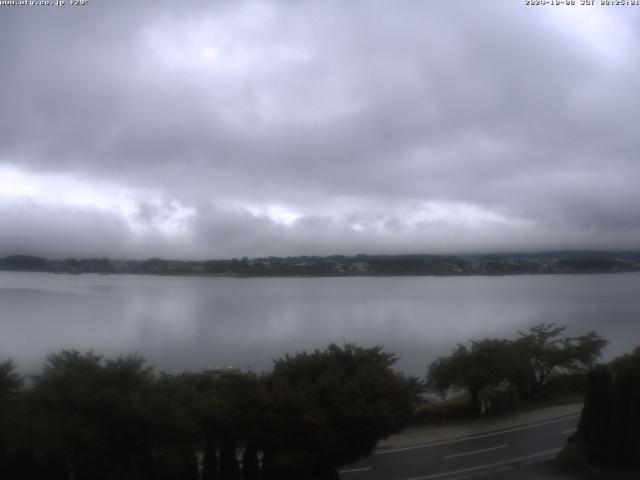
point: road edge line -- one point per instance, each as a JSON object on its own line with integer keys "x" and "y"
{"x": 481, "y": 435}
{"x": 490, "y": 465}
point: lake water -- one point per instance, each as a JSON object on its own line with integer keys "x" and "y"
{"x": 182, "y": 323}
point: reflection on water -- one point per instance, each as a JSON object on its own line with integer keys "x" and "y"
{"x": 191, "y": 322}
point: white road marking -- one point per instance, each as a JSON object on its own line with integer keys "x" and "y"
{"x": 353, "y": 470}
{"x": 473, "y": 437}
{"x": 489, "y": 465}
{"x": 569, "y": 431}
{"x": 477, "y": 451}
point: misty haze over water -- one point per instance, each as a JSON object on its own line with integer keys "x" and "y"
{"x": 181, "y": 323}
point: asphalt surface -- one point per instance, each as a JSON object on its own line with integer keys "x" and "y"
{"x": 495, "y": 453}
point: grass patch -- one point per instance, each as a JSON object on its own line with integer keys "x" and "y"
{"x": 457, "y": 408}
{"x": 434, "y": 410}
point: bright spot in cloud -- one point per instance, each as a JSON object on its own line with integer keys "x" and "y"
{"x": 597, "y": 29}
{"x": 211, "y": 54}
{"x": 278, "y": 214}
{"x": 141, "y": 210}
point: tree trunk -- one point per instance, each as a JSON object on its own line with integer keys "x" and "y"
{"x": 250, "y": 466}
{"x": 189, "y": 466}
{"x": 475, "y": 399}
{"x": 210, "y": 459}
{"x": 229, "y": 468}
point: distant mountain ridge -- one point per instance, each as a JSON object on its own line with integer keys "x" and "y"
{"x": 345, "y": 265}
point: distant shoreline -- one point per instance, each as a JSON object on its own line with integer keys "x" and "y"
{"x": 328, "y": 275}
{"x": 545, "y": 263}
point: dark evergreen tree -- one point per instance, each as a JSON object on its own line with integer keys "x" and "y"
{"x": 624, "y": 445}
{"x": 250, "y": 465}
{"x": 229, "y": 468}
{"x": 595, "y": 421}
{"x": 210, "y": 458}
{"x": 11, "y": 418}
{"x": 609, "y": 428}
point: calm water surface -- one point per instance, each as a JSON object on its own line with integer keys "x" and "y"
{"x": 190, "y": 322}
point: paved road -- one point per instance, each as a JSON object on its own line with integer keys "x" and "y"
{"x": 451, "y": 459}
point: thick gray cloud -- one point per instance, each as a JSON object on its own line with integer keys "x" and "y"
{"x": 230, "y": 128}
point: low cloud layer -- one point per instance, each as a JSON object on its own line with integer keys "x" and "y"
{"x": 212, "y": 129}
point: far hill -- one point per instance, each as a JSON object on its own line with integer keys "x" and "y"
{"x": 24, "y": 263}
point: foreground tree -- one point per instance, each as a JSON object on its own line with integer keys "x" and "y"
{"x": 11, "y": 419}
{"x": 595, "y": 421}
{"x": 93, "y": 415}
{"x": 228, "y": 413}
{"x": 329, "y": 408}
{"x": 112, "y": 419}
{"x": 486, "y": 363}
{"x": 542, "y": 351}
{"x": 609, "y": 429}
{"x": 174, "y": 428}
{"x": 526, "y": 363}
{"x": 625, "y": 421}
{"x": 10, "y": 381}
{"x": 91, "y": 418}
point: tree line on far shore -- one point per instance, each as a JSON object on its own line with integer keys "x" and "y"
{"x": 417, "y": 264}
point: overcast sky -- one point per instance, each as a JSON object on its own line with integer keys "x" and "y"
{"x": 206, "y": 129}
